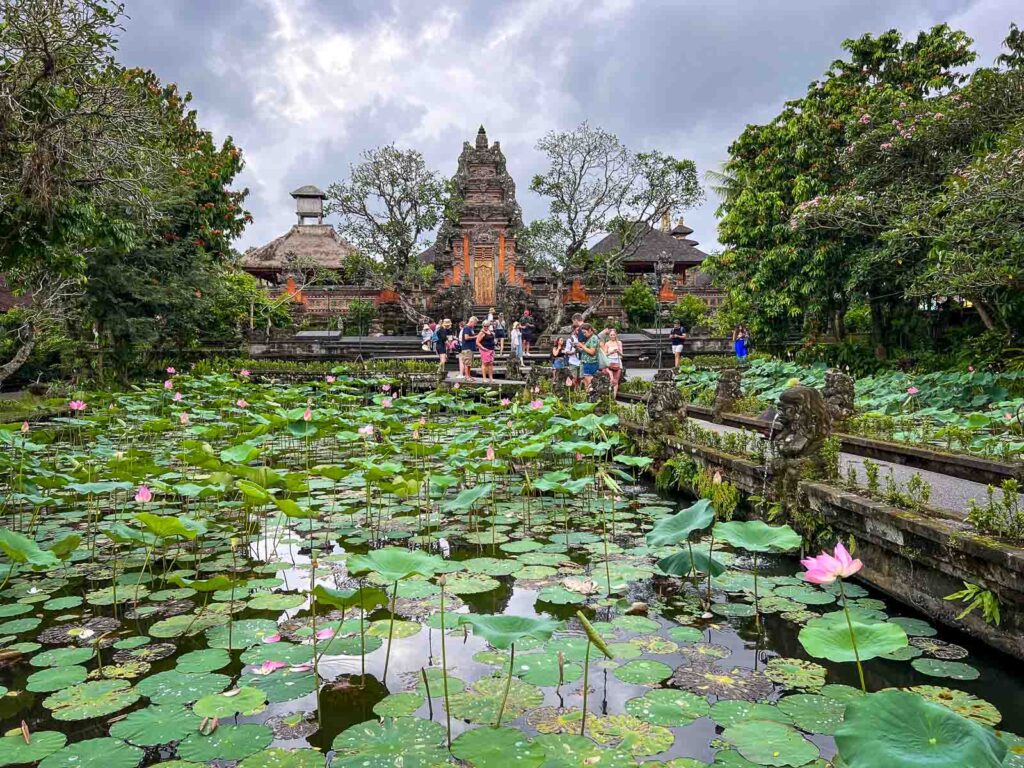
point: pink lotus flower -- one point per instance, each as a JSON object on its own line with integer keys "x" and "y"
{"x": 456, "y": 385}
{"x": 269, "y": 666}
{"x": 307, "y": 415}
{"x": 1008, "y": 416}
{"x": 385, "y": 388}
{"x": 385, "y": 403}
{"x": 490, "y": 453}
{"x": 569, "y": 382}
{"x": 826, "y": 568}
{"x": 325, "y": 634}
{"x": 912, "y": 390}
{"x": 330, "y": 379}
{"x": 240, "y": 402}
{"x": 536, "y": 390}
{"x": 171, "y": 370}
{"x": 535, "y": 404}
{"x": 244, "y": 373}
{"x": 24, "y": 427}
{"x": 865, "y": 119}
{"x": 143, "y": 495}
{"x": 579, "y": 456}
{"x": 423, "y": 420}
{"x": 177, "y": 397}
{"x": 168, "y": 384}
{"x": 77, "y": 405}
{"x": 301, "y": 667}
{"x": 505, "y": 401}
{"x": 366, "y": 430}
{"x": 183, "y": 417}
{"x": 272, "y": 639}
{"x": 415, "y": 434}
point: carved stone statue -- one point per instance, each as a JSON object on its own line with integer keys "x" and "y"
{"x": 804, "y": 424}
{"x": 535, "y": 375}
{"x": 666, "y": 409}
{"x": 839, "y": 395}
{"x": 665, "y": 374}
{"x": 514, "y": 369}
{"x": 729, "y": 390}
{"x": 600, "y": 389}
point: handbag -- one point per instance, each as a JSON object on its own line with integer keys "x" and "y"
{"x": 602, "y": 359}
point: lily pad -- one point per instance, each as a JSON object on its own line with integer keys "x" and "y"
{"x": 812, "y": 713}
{"x": 630, "y": 734}
{"x": 241, "y": 701}
{"x": 831, "y": 640}
{"x": 730, "y": 712}
{"x": 406, "y": 741}
{"x": 480, "y": 702}
{"x": 15, "y": 751}
{"x": 205, "y": 660}
{"x": 55, "y": 678}
{"x": 961, "y": 702}
{"x": 88, "y": 700}
{"x": 155, "y": 725}
{"x": 667, "y": 707}
{"x": 796, "y": 673}
{"x": 399, "y": 704}
{"x": 572, "y": 751}
{"x": 275, "y": 757}
{"x": 643, "y": 672}
{"x": 769, "y": 743}
{"x": 956, "y": 670}
{"x": 497, "y": 748}
{"x": 228, "y": 742}
{"x": 174, "y": 687}
{"x": 95, "y": 753}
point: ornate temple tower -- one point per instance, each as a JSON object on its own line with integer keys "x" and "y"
{"x": 479, "y": 247}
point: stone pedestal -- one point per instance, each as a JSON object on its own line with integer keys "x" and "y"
{"x": 804, "y": 424}
{"x": 729, "y": 390}
{"x": 666, "y": 409}
{"x": 600, "y": 390}
{"x": 839, "y": 395}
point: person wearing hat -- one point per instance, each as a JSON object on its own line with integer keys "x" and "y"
{"x": 500, "y": 332}
{"x": 426, "y": 333}
{"x": 441, "y": 336}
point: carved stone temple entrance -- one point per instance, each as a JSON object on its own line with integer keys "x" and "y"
{"x": 478, "y": 248}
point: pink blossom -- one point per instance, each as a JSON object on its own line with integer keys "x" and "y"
{"x": 536, "y": 390}
{"x": 385, "y": 388}
{"x": 301, "y": 667}
{"x": 330, "y": 379}
{"x": 77, "y": 405}
{"x": 970, "y": 369}
{"x": 240, "y": 402}
{"x": 938, "y": 115}
{"x": 24, "y": 427}
{"x": 423, "y": 420}
{"x": 912, "y": 390}
{"x": 490, "y": 453}
{"x": 366, "y": 430}
{"x": 143, "y": 495}
{"x": 385, "y": 403}
{"x": 269, "y": 666}
{"x": 171, "y": 370}
{"x": 865, "y": 119}
{"x": 325, "y": 634}
{"x": 569, "y": 382}
{"x": 183, "y": 417}
{"x": 168, "y": 384}
{"x": 535, "y": 404}
{"x": 307, "y": 415}
{"x": 244, "y": 373}
{"x": 177, "y": 397}
{"x": 456, "y": 385}
{"x": 579, "y": 456}
{"x": 885, "y": 146}
{"x": 1008, "y": 416}
{"x": 505, "y": 401}
{"x": 826, "y": 568}
{"x": 272, "y": 639}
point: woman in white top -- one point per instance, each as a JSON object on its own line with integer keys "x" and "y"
{"x": 516, "y": 340}
{"x": 612, "y": 349}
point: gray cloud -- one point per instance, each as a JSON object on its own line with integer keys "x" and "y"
{"x": 305, "y": 85}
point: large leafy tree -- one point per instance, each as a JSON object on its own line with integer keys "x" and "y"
{"x": 794, "y": 278}
{"x": 389, "y": 206}
{"x": 594, "y": 185}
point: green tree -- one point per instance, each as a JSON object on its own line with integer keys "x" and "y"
{"x": 798, "y": 278}
{"x": 389, "y": 206}
{"x": 690, "y": 310}
{"x": 595, "y": 184}
{"x": 639, "y": 301}
{"x": 361, "y": 313}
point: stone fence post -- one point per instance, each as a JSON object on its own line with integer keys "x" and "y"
{"x": 839, "y": 395}
{"x": 728, "y": 391}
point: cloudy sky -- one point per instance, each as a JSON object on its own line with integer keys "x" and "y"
{"x": 305, "y": 85}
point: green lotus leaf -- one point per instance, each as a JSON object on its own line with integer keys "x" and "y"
{"x": 757, "y": 536}
{"x": 15, "y": 751}
{"x": 238, "y": 701}
{"x": 228, "y": 742}
{"x": 468, "y": 498}
{"x": 730, "y": 712}
{"x": 629, "y": 734}
{"x": 62, "y": 657}
{"x": 22, "y": 550}
{"x": 205, "y": 660}
{"x": 567, "y": 750}
{"x": 394, "y": 564}
{"x": 156, "y": 725}
{"x": 765, "y": 742}
{"x": 497, "y": 748}
{"x": 166, "y": 527}
{"x": 502, "y": 630}
{"x": 399, "y": 704}
{"x": 241, "y": 634}
{"x": 55, "y": 678}
{"x": 406, "y": 741}
{"x": 813, "y": 713}
{"x": 174, "y": 687}
{"x": 677, "y": 528}
{"x": 961, "y": 702}
{"x": 685, "y": 562}
{"x": 95, "y": 753}
{"x": 668, "y": 707}
{"x": 832, "y": 640}
{"x": 480, "y": 702}
{"x": 899, "y": 729}
{"x": 275, "y": 757}
{"x": 642, "y": 672}
{"x": 367, "y": 598}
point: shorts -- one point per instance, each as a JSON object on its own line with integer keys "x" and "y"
{"x": 466, "y": 356}
{"x": 590, "y": 369}
{"x": 499, "y": 334}
{"x": 486, "y": 356}
{"x": 677, "y": 349}
{"x": 559, "y": 363}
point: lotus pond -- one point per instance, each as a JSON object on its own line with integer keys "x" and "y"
{"x": 219, "y": 571}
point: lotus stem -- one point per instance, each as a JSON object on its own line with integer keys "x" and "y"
{"x": 391, "y": 632}
{"x": 444, "y": 666}
{"x": 508, "y": 684}
{"x": 853, "y": 637}
{"x": 586, "y": 688}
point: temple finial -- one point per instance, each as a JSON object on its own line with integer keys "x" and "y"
{"x": 481, "y": 138}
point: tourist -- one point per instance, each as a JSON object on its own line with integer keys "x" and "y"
{"x": 442, "y": 336}
{"x": 558, "y": 362}
{"x": 467, "y": 342}
{"x": 612, "y": 349}
{"x": 676, "y": 339}
{"x": 485, "y": 342}
{"x": 572, "y": 354}
{"x": 500, "y": 332}
{"x": 516, "y": 340}
{"x": 426, "y": 334}
{"x": 588, "y": 353}
{"x": 490, "y": 316}
{"x": 529, "y": 331}
{"x": 739, "y": 342}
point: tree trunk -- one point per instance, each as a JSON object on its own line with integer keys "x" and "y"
{"x": 11, "y": 367}
{"x": 839, "y": 324}
{"x": 984, "y": 314}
